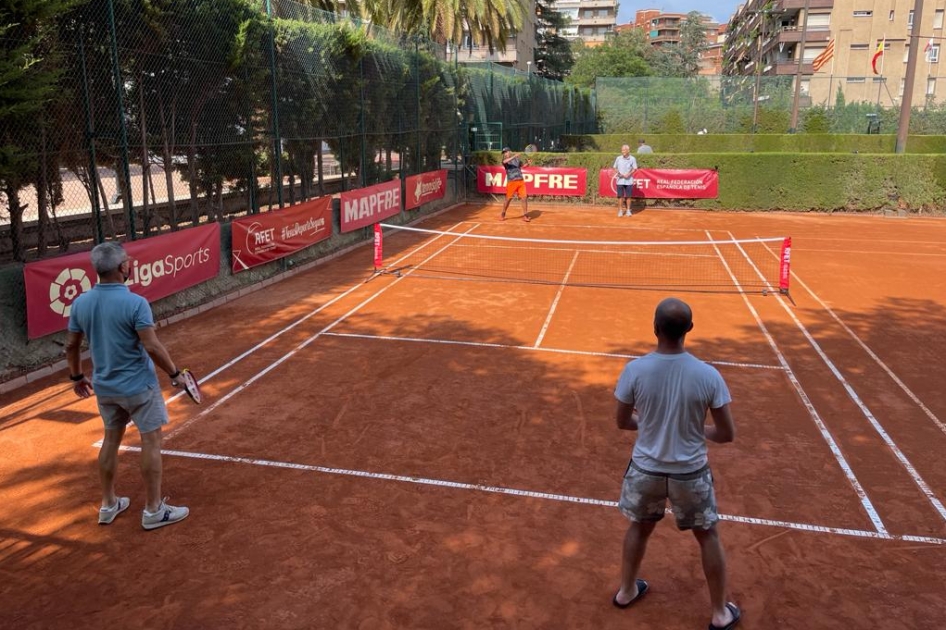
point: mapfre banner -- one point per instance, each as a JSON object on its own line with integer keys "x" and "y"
{"x": 369, "y": 205}
{"x": 664, "y": 183}
{"x": 160, "y": 266}
{"x": 423, "y": 188}
{"x": 543, "y": 180}
{"x": 262, "y": 238}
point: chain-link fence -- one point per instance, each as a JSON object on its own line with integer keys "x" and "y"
{"x": 156, "y": 116}
{"x": 758, "y": 104}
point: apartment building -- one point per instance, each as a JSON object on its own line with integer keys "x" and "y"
{"x": 663, "y": 29}
{"x": 591, "y": 21}
{"x": 839, "y": 44}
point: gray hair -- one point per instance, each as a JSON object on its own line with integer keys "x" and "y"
{"x": 107, "y": 257}
{"x": 626, "y": 146}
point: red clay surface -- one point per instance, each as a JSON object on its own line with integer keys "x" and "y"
{"x": 425, "y": 453}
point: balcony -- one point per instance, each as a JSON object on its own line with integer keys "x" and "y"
{"x": 791, "y": 67}
{"x": 792, "y": 34}
{"x": 599, "y": 4}
{"x": 794, "y": 5}
{"x": 597, "y": 21}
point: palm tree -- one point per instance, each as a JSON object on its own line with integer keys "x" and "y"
{"x": 489, "y": 22}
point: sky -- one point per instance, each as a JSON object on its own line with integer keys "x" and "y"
{"x": 720, "y": 10}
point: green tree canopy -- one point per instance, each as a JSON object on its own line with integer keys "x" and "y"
{"x": 624, "y": 55}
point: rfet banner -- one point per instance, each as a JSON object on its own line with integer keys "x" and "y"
{"x": 160, "y": 266}
{"x": 664, "y": 183}
{"x": 262, "y": 238}
{"x": 369, "y": 205}
{"x": 420, "y": 189}
{"x": 543, "y": 180}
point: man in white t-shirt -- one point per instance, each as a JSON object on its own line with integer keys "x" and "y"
{"x": 664, "y": 396}
{"x": 625, "y": 165}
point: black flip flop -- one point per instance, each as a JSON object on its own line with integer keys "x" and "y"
{"x": 736, "y": 615}
{"x": 642, "y": 587}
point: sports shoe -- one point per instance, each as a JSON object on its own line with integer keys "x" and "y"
{"x": 526, "y": 218}
{"x": 502, "y": 216}
{"x": 621, "y": 212}
{"x": 164, "y": 515}
{"x": 108, "y": 514}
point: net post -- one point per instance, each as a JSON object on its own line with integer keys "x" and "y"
{"x": 378, "y": 248}
{"x": 785, "y": 267}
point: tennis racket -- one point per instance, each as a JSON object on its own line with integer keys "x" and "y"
{"x": 186, "y": 380}
{"x": 530, "y": 148}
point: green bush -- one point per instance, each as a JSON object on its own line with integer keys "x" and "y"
{"x": 759, "y": 143}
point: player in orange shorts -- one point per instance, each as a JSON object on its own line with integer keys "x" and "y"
{"x": 515, "y": 184}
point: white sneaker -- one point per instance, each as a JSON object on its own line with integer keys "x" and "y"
{"x": 107, "y": 515}
{"x": 164, "y": 515}
{"x": 621, "y": 212}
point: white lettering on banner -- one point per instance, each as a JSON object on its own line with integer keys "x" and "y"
{"x": 311, "y": 225}
{"x": 144, "y": 273}
{"x": 681, "y": 184}
{"x": 495, "y": 179}
{"x": 552, "y": 180}
{"x": 265, "y": 236}
{"x": 367, "y": 207}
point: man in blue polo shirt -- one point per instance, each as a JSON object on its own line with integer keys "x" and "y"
{"x": 124, "y": 348}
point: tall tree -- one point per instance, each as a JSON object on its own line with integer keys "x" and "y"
{"x": 683, "y": 59}
{"x": 29, "y": 73}
{"x": 553, "y": 53}
{"x": 623, "y": 55}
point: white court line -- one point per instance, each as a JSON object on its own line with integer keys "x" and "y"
{"x": 589, "y": 353}
{"x": 825, "y": 433}
{"x": 558, "y": 296}
{"x": 532, "y": 494}
{"x": 873, "y": 355}
{"x": 865, "y": 410}
{"x": 300, "y": 347}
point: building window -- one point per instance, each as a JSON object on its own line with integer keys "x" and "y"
{"x": 938, "y": 19}
{"x": 860, "y": 46}
{"x": 906, "y": 53}
{"x": 903, "y": 87}
{"x": 806, "y": 87}
{"x": 891, "y": 15}
{"x": 863, "y": 13}
{"x": 910, "y": 19}
{"x": 930, "y": 86}
{"x": 934, "y": 54}
{"x": 857, "y": 80}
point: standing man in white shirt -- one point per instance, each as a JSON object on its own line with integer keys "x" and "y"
{"x": 665, "y": 396}
{"x": 625, "y": 164}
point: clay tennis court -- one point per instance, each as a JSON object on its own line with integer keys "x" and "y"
{"x": 436, "y": 452}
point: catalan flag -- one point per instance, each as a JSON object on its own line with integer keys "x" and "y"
{"x": 824, "y": 57}
{"x": 881, "y": 46}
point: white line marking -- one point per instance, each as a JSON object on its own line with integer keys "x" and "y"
{"x": 484, "y": 344}
{"x": 558, "y": 296}
{"x": 239, "y": 388}
{"x": 873, "y": 355}
{"x": 530, "y": 494}
{"x": 865, "y": 410}
{"x": 825, "y": 433}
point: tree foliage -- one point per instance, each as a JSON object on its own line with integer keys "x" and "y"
{"x": 623, "y": 55}
{"x": 553, "y": 53}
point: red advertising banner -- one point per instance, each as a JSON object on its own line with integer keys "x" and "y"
{"x": 369, "y": 205}
{"x": 664, "y": 183}
{"x": 262, "y": 238}
{"x": 160, "y": 266}
{"x": 541, "y": 180}
{"x": 423, "y": 188}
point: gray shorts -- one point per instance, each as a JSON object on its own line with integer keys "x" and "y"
{"x": 624, "y": 190}
{"x": 146, "y": 409}
{"x": 644, "y": 497}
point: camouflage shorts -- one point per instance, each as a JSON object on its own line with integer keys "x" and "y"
{"x": 644, "y": 496}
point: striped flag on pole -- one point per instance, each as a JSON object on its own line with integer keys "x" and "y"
{"x": 824, "y": 57}
{"x": 877, "y": 55}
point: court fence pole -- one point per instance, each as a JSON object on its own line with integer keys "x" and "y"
{"x": 277, "y": 141}
{"x": 125, "y": 184}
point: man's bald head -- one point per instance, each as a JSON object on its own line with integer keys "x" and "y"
{"x": 673, "y": 319}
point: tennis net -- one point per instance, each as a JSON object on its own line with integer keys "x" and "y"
{"x": 736, "y": 265}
